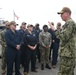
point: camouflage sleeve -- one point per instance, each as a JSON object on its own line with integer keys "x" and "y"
{"x": 3, "y": 43}
{"x": 66, "y": 34}
{"x": 40, "y": 40}
{"x": 75, "y": 29}
{"x": 57, "y": 33}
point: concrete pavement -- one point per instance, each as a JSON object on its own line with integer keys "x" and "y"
{"x": 41, "y": 72}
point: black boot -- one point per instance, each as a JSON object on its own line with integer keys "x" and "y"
{"x": 47, "y": 66}
{"x": 42, "y": 66}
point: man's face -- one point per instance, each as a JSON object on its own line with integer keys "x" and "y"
{"x": 37, "y": 27}
{"x": 64, "y": 16}
{"x": 13, "y": 27}
{"x": 23, "y": 26}
{"x": 30, "y": 28}
{"x": 46, "y": 29}
{"x": 58, "y": 27}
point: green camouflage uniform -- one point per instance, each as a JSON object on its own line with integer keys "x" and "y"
{"x": 3, "y": 43}
{"x": 75, "y": 48}
{"x": 67, "y": 48}
{"x": 45, "y": 39}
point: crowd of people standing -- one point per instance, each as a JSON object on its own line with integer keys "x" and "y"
{"x": 30, "y": 43}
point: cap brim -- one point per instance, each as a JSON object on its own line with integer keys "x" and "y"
{"x": 60, "y": 12}
{"x": 17, "y": 24}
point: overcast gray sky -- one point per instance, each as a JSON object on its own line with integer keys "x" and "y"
{"x": 36, "y": 11}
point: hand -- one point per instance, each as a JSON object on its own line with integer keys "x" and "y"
{"x": 49, "y": 23}
{"x": 31, "y": 47}
{"x": 52, "y": 27}
{"x": 35, "y": 46}
{"x": 47, "y": 47}
{"x": 17, "y": 47}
